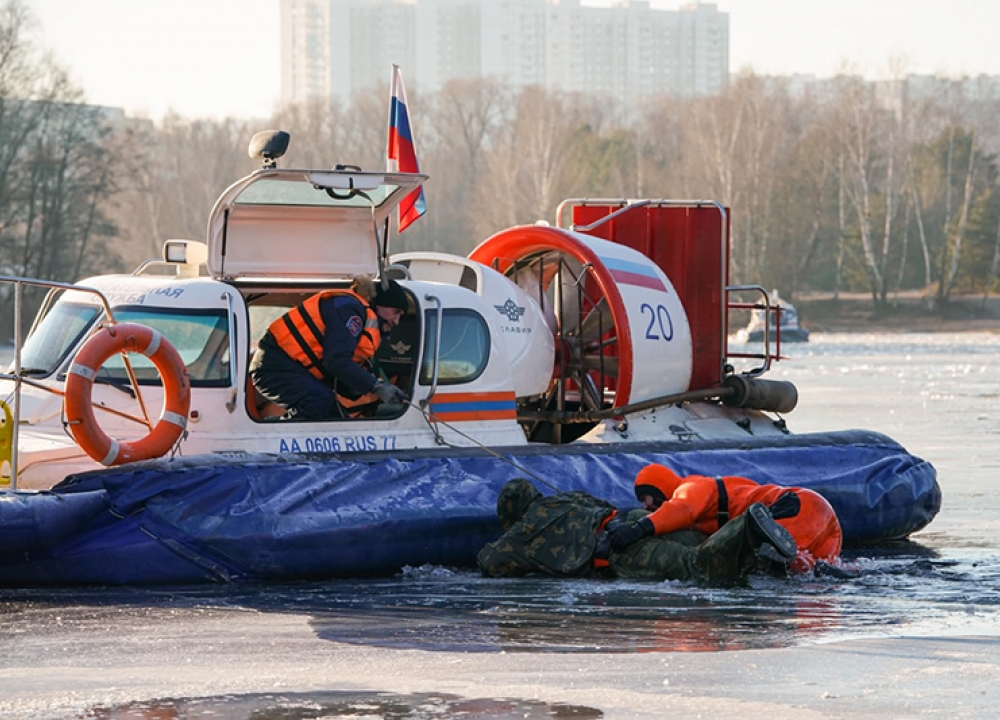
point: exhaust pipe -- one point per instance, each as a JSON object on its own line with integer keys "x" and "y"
{"x": 778, "y": 396}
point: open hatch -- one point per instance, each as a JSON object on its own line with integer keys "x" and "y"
{"x": 298, "y": 224}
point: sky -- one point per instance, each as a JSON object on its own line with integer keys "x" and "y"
{"x": 218, "y": 58}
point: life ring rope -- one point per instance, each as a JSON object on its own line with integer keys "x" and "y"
{"x": 79, "y": 408}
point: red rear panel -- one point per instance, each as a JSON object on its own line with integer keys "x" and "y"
{"x": 687, "y": 243}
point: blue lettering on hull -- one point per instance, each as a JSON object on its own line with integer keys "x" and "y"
{"x": 350, "y": 443}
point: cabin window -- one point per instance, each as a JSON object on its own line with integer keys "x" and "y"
{"x": 261, "y": 317}
{"x": 465, "y": 347}
{"x": 58, "y": 333}
{"x": 294, "y": 192}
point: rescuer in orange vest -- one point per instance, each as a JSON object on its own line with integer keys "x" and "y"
{"x": 706, "y": 503}
{"x": 316, "y": 358}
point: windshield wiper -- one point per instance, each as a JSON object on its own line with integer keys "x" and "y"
{"x": 124, "y": 385}
{"x": 32, "y": 370}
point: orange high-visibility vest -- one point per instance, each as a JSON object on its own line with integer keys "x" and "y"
{"x": 300, "y": 331}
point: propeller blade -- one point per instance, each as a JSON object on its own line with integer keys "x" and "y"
{"x": 602, "y": 363}
{"x": 536, "y": 272}
{"x": 597, "y": 323}
{"x": 534, "y": 278}
{"x": 567, "y": 299}
{"x": 590, "y": 395}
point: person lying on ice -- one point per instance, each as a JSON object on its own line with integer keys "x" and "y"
{"x": 565, "y": 535}
{"x": 709, "y": 504}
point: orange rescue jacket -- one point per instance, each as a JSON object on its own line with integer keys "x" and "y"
{"x": 693, "y": 502}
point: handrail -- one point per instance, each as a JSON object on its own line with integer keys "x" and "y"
{"x": 20, "y": 280}
{"x": 437, "y": 349}
{"x": 233, "y": 377}
{"x": 766, "y": 307}
{"x": 628, "y": 204}
{"x": 18, "y": 290}
{"x": 606, "y": 218}
{"x": 19, "y": 283}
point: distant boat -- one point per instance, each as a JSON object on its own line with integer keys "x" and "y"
{"x": 790, "y": 329}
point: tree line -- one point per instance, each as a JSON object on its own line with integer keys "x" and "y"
{"x": 841, "y": 188}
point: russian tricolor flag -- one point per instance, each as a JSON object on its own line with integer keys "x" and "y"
{"x": 402, "y": 156}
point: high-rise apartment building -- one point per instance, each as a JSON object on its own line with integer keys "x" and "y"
{"x": 626, "y": 52}
{"x": 305, "y": 50}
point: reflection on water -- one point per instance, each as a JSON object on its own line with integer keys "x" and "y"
{"x": 903, "y": 588}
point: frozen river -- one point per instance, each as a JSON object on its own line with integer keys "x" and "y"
{"x": 916, "y": 634}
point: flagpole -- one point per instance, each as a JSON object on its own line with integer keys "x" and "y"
{"x": 401, "y": 154}
{"x": 384, "y": 256}
{"x": 393, "y": 74}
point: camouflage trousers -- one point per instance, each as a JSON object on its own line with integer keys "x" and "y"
{"x": 724, "y": 558}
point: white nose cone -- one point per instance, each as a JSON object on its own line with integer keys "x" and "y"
{"x": 521, "y": 328}
{"x": 518, "y": 325}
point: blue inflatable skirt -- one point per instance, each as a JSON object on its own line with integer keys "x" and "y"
{"x": 294, "y": 517}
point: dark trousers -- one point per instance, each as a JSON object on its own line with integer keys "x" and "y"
{"x": 722, "y": 559}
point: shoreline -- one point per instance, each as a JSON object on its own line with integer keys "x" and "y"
{"x": 906, "y": 313}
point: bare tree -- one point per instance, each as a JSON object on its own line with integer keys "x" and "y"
{"x": 57, "y": 166}
{"x": 860, "y": 130}
{"x": 739, "y": 139}
{"x": 816, "y": 181}
{"x": 176, "y": 170}
{"x": 530, "y": 167}
{"x": 955, "y": 244}
{"x": 467, "y": 115}
{"x": 991, "y": 277}
{"x": 915, "y": 196}
{"x": 320, "y": 133}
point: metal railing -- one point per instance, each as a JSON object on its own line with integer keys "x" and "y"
{"x": 766, "y": 309}
{"x": 17, "y": 377}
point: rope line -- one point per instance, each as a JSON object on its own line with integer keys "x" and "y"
{"x": 433, "y": 421}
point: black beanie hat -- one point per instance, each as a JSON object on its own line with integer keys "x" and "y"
{"x": 393, "y": 296}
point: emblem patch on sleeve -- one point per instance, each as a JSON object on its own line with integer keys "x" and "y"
{"x": 355, "y": 325}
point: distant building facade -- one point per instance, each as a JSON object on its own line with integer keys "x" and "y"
{"x": 905, "y": 90}
{"x": 626, "y": 52}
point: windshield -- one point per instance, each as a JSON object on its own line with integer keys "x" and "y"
{"x": 58, "y": 333}
{"x": 200, "y": 336}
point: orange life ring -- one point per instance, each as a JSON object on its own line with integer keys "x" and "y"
{"x": 79, "y": 409}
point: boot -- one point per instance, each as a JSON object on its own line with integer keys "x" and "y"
{"x": 765, "y": 530}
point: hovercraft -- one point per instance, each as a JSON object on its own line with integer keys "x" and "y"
{"x": 773, "y": 322}
{"x": 573, "y": 354}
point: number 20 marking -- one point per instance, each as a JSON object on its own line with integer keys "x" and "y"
{"x": 656, "y": 317}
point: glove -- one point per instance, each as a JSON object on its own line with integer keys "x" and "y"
{"x": 389, "y": 393}
{"x": 624, "y": 535}
{"x": 786, "y": 506}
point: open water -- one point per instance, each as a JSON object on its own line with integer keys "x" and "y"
{"x": 164, "y": 652}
